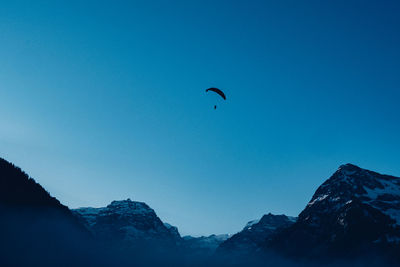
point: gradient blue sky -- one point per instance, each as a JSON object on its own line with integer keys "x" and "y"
{"x": 105, "y": 100}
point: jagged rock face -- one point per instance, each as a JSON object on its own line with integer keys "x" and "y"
{"x": 128, "y": 221}
{"x": 255, "y": 233}
{"x": 353, "y": 211}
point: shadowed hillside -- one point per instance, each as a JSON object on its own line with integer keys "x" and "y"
{"x": 35, "y": 228}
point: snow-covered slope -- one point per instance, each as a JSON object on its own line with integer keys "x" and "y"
{"x": 127, "y": 220}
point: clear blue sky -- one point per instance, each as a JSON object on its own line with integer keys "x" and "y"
{"x": 105, "y": 100}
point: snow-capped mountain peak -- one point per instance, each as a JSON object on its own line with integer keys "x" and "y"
{"x": 354, "y": 212}
{"x": 351, "y": 183}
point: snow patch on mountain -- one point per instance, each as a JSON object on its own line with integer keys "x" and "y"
{"x": 251, "y": 223}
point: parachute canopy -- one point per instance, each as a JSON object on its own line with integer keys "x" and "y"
{"x": 216, "y": 90}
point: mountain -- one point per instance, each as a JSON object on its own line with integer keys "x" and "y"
{"x": 255, "y": 233}
{"x": 173, "y": 230}
{"x": 35, "y": 228}
{"x": 355, "y": 213}
{"x": 204, "y": 245}
{"x": 128, "y": 222}
{"x": 354, "y": 216}
{"x": 18, "y": 190}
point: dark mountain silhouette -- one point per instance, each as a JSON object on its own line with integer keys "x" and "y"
{"x": 35, "y": 228}
{"x": 17, "y": 189}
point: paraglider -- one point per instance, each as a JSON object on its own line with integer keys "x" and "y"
{"x": 218, "y": 91}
